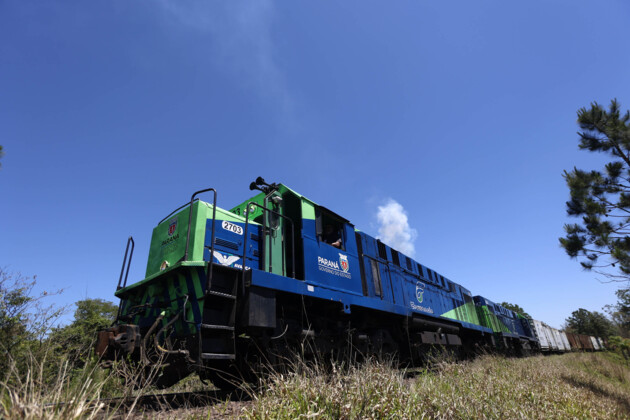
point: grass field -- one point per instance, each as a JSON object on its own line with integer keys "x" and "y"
{"x": 563, "y": 386}
{"x": 578, "y": 385}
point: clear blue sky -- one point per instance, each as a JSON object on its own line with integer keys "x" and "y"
{"x": 113, "y": 113}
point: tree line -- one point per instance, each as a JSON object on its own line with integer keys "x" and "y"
{"x": 30, "y": 330}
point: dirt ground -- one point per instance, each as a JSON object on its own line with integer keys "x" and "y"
{"x": 228, "y": 410}
{"x": 220, "y": 410}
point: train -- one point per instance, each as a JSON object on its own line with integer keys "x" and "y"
{"x": 227, "y": 292}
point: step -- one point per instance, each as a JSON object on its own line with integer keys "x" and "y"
{"x": 220, "y": 356}
{"x": 221, "y": 294}
{"x": 217, "y": 327}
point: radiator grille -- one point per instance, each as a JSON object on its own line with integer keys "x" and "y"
{"x": 226, "y": 243}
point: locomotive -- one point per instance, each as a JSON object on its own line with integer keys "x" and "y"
{"x": 229, "y": 290}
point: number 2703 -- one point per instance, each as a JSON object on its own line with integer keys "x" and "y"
{"x": 232, "y": 227}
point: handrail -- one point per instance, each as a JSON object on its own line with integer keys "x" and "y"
{"x": 264, "y": 227}
{"x": 214, "y": 214}
{"x": 125, "y": 262}
{"x": 214, "y": 210}
{"x": 173, "y": 212}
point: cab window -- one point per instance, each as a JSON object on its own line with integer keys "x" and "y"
{"x": 330, "y": 229}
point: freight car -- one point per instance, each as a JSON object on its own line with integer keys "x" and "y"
{"x": 555, "y": 341}
{"x": 228, "y": 290}
{"x": 551, "y": 340}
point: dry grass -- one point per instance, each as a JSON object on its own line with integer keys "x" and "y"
{"x": 32, "y": 396}
{"x": 29, "y": 391}
{"x": 568, "y": 386}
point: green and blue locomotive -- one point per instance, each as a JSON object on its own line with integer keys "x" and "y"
{"x": 227, "y": 290}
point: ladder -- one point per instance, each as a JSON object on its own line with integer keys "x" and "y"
{"x": 216, "y": 332}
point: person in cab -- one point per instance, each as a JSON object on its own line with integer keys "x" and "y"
{"x": 332, "y": 236}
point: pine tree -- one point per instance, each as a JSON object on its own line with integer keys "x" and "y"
{"x": 602, "y": 198}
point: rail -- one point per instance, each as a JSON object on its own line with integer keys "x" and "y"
{"x": 122, "y": 270}
{"x": 251, "y": 203}
{"x": 175, "y": 211}
{"x": 214, "y": 214}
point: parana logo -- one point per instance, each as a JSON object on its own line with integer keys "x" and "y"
{"x": 337, "y": 267}
{"x": 328, "y": 263}
{"x": 343, "y": 260}
{"x": 172, "y": 226}
{"x": 170, "y": 239}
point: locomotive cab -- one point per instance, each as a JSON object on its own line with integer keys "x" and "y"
{"x": 293, "y": 239}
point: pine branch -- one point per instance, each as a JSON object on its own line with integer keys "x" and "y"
{"x": 613, "y": 278}
{"x": 602, "y": 129}
{"x": 611, "y": 205}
